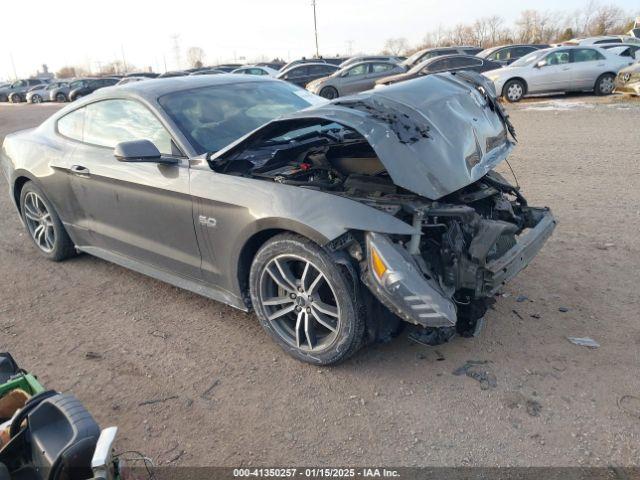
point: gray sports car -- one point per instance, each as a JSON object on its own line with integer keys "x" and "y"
{"x": 337, "y": 222}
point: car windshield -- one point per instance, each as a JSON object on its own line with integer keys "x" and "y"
{"x": 528, "y": 59}
{"x": 213, "y": 117}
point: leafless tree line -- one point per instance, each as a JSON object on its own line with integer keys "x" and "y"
{"x": 532, "y": 26}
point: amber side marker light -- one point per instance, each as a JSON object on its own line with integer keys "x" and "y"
{"x": 379, "y": 268}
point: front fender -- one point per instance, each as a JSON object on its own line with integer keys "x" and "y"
{"x": 230, "y": 210}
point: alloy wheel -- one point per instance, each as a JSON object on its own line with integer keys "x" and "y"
{"x": 61, "y": 97}
{"x": 36, "y": 99}
{"x": 299, "y": 303}
{"x": 39, "y": 222}
{"x": 607, "y": 85}
{"x": 514, "y": 92}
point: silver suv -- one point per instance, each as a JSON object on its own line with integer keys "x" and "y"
{"x": 17, "y": 91}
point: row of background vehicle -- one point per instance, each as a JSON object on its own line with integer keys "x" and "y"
{"x": 333, "y": 77}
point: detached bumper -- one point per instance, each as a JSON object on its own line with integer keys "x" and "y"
{"x": 403, "y": 289}
{"x": 503, "y": 269}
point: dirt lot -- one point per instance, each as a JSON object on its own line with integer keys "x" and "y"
{"x": 192, "y": 382}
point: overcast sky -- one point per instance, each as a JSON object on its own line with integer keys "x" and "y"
{"x": 76, "y": 32}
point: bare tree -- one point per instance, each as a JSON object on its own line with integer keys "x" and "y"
{"x": 607, "y": 19}
{"x": 195, "y": 57}
{"x": 395, "y": 46}
{"x": 70, "y": 72}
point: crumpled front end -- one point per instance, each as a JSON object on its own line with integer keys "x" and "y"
{"x": 460, "y": 255}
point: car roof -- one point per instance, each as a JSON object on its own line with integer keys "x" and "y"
{"x": 300, "y": 65}
{"x": 156, "y": 87}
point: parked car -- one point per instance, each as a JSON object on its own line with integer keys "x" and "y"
{"x": 17, "y": 91}
{"x": 174, "y": 73}
{"x": 142, "y": 74}
{"x": 628, "y": 80}
{"x": 91, "y": 86}
{"x": 40, "y": 93}
{"x": 371, "y": 58}
{"x": 353, "y": 78}
{"x": 256, "y": 70}
{"x": 507, "y": 54}
{"x": 274, "y": 65}
{"x": 445, "y": 63}
{"x": 427, "y": 53}
{"x": 331, "y": 61}
{"x": 125, "y": 80}
{"x": 227, "y": 67}
{"x": 202, "y": 182}
{"x": 208, "y": 71}
{"x": 559, "y": 69}
{"x": 61, "y": 93}
{"x": 623, "y": 49}
{"x": 304, "y": 73}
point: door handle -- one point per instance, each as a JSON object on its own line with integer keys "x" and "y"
{"x": 79, "y": 170}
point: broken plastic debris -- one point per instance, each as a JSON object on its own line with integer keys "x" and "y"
{"x": 584, "y": 342}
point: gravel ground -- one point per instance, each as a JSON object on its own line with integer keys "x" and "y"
{"x": 192, "y": 382}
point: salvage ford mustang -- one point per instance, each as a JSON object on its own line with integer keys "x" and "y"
{"x": 337, "y": 222}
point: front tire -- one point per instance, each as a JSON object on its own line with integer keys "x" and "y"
{"x": 329, "y": 93}
{"x": 513, "y": 91}
{"x": 36, "y": 98}
{"x": 15, "y": 98}
{"x": 61, "y": 97}
{"x": 305, "y": 301}
{"x": 605, "y": 84}
{"x": 44, "y": 225}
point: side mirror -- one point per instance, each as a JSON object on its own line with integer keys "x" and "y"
{"x": 142, "y": 151}
{"x": 541, "y": 64}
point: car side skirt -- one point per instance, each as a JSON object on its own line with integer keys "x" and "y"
{"x": 189, "y": 284}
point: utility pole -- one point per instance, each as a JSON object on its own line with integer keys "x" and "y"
{"x": 315, "y": 27}
{"x": 13, "y": 64}
{"x": 124, "y": 61}
{"x": 176, "y": 49}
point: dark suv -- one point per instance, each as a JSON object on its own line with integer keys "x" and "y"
{"x": 91, "y": 86}
{"x": 17, "y": 91}
{"x": 307, "y": 72}
{"x": 507, "y": 54}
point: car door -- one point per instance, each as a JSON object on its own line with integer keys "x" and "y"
{"x": 354, "y": 79}
{"x": 298, "y": 75}
{"x": 380, "y": 70}
{"x": 551, "y": 73}
{"x": 318, "y": 71}
{"x": 587, "y": 65}
{"x": 465, "y": 62}
{"x": 141, "y": 211}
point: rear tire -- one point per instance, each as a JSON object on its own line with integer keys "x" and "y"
{"x": 305, "y": 301}
{"x": 43, "y": 224}
{"x": 329, "y": 93}
{"x": 513, "y": 91}
{"x": 36, "y": 98}
{"x": 61, "y": 97}
{"x": 15, "y": 98}
{"x": 605, "y": 84}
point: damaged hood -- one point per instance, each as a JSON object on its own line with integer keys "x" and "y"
{"x": 434, "y": 135}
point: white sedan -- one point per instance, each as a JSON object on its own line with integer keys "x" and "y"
{"x": 559, "y": 69}
{"x": 256, "y": 70}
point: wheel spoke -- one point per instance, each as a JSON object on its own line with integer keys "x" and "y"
{"x": 309, "y": 331}
{"x": 325, "y": 308}
{"x": 30, "y": 215}
{"x": 286, "y": 274}
{"x": 281, "y": 312}
{"x": 299, "y": 327}
{"x": 304, "y": 275}
{"x": 325, "y": 323}
{"x": 275, "y": 276}
{"x": 277, "y": 300}
{"x": 315, "y": 284}
{"x": 38, "y": 233}
{"x": 50, "y": 236}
